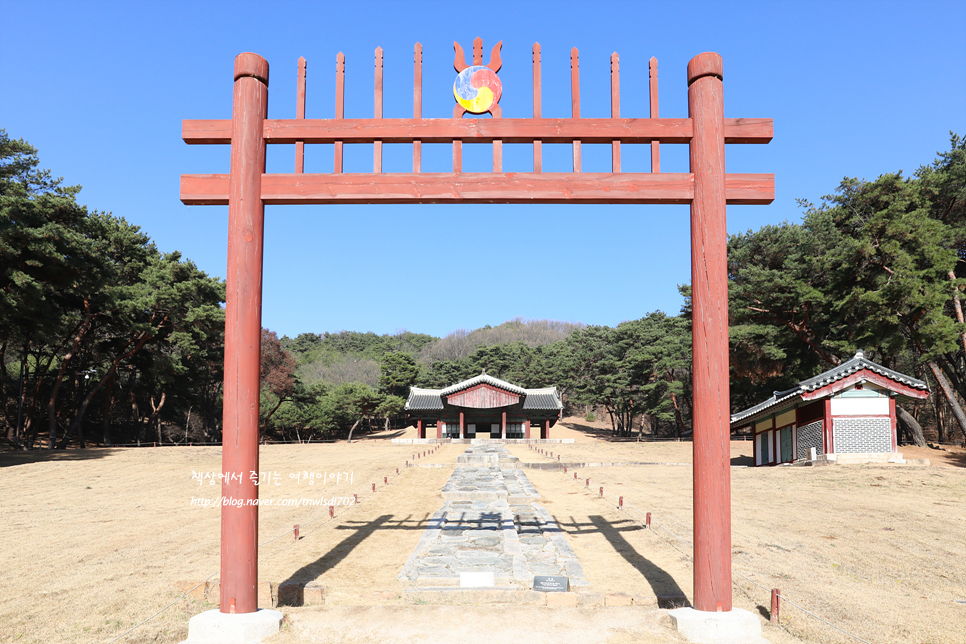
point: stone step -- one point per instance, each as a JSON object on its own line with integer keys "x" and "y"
{"x": 490, "y": 523}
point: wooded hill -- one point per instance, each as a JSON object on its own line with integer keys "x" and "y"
{"x": 115, "y": 342}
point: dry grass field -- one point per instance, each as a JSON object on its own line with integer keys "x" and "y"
{"x": 95, "y": 541}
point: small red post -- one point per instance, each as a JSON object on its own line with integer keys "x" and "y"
{"x": 373, "y": 487}
{"x": 647, "y": 520}
{"x": 620, "y": 503}
{"x": 776, "y": 595}
{"x": 355, "y": 497}
{"x": 397, "y": 470}
{"x": 601, "y": 491}
{"x": 587, "y": 483}
{"x": 565, "y": 469}
{"x": 575, "y": 476}
{"x": 331, "y": 511}
{"x": 385, "y": 480}
{"x": 407, "y": 463}
{"x": 296, "y": 531}
{"x": 558, "y": 458}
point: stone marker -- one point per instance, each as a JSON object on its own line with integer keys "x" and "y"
{"x": 551, "y": 583}
{"x": 477, "y": 579}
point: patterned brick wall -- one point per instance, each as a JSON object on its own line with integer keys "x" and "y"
{"x": 810, "y": 436}
{"x": 862, "y": 435}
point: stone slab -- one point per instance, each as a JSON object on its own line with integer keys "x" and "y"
{"x": 562, "y": 600}
{"x": 617, "y": 599}
{"x": 290, "y": 593}
{"x": 456, "y": 595}
{"x": 590, "y": 599}
{"x": 479, "y": 531}
{"x": 313, "y": 594}
{"x": 266, "y": 595}
{"x": 215, "y": 627}
{"x": 477, "y": 579}
{"x": 736, "y": 626}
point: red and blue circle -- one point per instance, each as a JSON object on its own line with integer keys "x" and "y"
{"x": 477, "y": 89}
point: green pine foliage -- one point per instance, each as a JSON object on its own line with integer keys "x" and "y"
{"x": 119, "y": 342}
{"x": 112, "y": 336}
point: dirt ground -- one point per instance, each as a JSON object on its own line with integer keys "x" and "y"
{"x": 98, "y": 540}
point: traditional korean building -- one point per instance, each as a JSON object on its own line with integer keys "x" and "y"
{"x": 484, "y": 407}
{"x": 850, "y": 409}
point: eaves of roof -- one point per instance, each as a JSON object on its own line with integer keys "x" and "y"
{"x": 483, "y": 378}
{"x": 424, "y": 399}
{"x": 546, "y": 398}
{"x": 847, "y": 368}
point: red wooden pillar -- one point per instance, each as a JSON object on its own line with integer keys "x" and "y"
{"x": 420, "y": 430}
{"x": 503, "y": 427}
{"x": 828, "y": 436}
{"x": 892, "y": 422}
{"x": 546, "y": 429}
{"x": 709, "y": 284}
{"x": 243, "y": 334}
{"x": 439, "y": 428}
{"x": 526, "y": 428}
{"x": 462, "y": 426}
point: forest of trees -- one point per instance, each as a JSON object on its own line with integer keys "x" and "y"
{"x": 103, "y": 338}
{"x": 106, "y": 340}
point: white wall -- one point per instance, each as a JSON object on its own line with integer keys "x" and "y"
{"x": 860, "y": 406}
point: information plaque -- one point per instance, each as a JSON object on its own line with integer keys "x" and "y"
{"x": 551, "y": 583}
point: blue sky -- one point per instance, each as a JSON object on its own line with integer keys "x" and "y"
{"x": 100, "y": 88}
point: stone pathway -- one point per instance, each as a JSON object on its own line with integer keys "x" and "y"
{"x": 491, "y": 522}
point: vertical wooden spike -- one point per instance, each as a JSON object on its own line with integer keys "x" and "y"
{"x": 615, "y": 108}
{"x": 655, "y": 145}
{"x": 497, "y": 143}
{"x": 459, "y": 58}
{"x": 339, "y": 105}
{"x": 300, "y": 114}
{"x": 377, "y": 145}
{"x": 417, "y": 103}
{"x": 537, "y": 145}
{"x": 575, "y": 99}
{"x": 458, "y": 112}
{"x": 478, "y": 51}
{"x": 496, "y": 62}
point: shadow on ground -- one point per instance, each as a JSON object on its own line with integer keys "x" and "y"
{"x": 605, "y": 434}
{"x": 380, "y": 436}
{"x": 12, "y": 458}
{"x": 665, "y": 588}
{"x": 359, "y": 531}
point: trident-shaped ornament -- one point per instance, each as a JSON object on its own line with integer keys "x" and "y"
{"x": 477, "y": 88}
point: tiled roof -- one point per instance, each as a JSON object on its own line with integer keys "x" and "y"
{"x": 847, "y": 368}
{"x": 857, "y": 363}
{"x": 533, "y": 399}
{"x": 428, "y": 399}
{"x": 546, "y": 398}
{"x": 483, "y": 379}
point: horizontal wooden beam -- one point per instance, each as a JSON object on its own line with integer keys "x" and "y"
{"x": 504, "y": 187}
{"x": 477, "y": 130}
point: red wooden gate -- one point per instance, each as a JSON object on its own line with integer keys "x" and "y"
{"x": 707, "y": 188}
